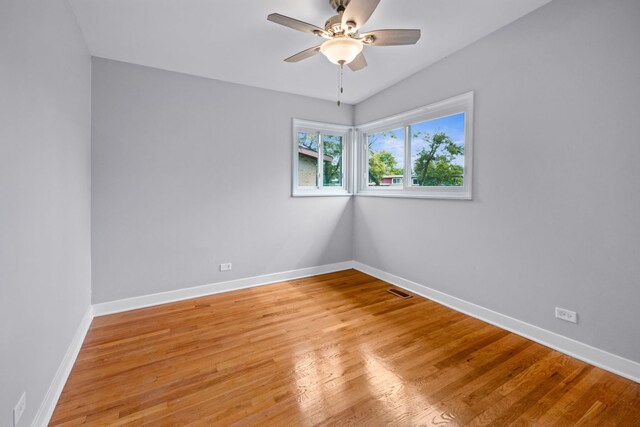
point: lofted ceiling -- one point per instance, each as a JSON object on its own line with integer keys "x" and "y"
{"x": 232, "y": 40}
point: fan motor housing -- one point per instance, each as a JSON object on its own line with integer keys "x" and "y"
{"x": 334, "y": 24}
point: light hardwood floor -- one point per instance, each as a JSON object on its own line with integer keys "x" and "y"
{"x": 335, "y": 349}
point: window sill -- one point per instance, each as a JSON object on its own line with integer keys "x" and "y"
{"x": 415, "y": 195}
{"x": 318, "y": 193}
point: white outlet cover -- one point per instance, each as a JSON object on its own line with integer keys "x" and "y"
{"x": 226, "y": 266}
{"x": 566, "y": 315}
{"x": 18, "y": 410}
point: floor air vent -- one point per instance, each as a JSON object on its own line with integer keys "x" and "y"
{"x": 399, "y": 293}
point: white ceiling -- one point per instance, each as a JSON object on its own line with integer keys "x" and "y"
{"x": 232, "y": 40}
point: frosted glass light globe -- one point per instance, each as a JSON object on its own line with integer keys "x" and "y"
{"x": 340, "y": 49}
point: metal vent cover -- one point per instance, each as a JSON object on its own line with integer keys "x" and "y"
{"x": 398, "y": 293}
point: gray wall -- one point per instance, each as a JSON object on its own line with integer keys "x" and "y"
{"x": 189, "y": 173}
{"x": 555, "y": 216}
{"x": 45, "y": 269}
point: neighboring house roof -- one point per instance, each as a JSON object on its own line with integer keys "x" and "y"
{"x": 314, "y": 154}
{"x": 392, "y": 176}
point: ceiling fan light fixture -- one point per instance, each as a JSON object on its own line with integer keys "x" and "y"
{"x": 341, "y": 50}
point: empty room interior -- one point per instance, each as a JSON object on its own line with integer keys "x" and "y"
{"x": 319, "y": 212}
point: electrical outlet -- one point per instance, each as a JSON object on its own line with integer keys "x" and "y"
{"x": 566, "y": 315}
{"x": 225, "y": 267}
{"x": 18, "y": 410}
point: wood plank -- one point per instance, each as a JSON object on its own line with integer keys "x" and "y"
{"x": 334, "y": 349}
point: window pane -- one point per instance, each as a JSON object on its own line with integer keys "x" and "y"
{"x": 437, "y": 152}
{"x": 307, "y": 159}
{"x": 386, "y": 157}
{"x": 332, "y": 170}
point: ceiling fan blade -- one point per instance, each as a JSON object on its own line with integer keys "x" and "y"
{"x": 358, "y": 64}
{"x": 392, "y": 37}
{"x": 359, "y": 12}
{"x": 307, "y": 53}
{"x": 295, "y": 24}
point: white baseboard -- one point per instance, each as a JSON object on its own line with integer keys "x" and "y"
{"x": 594, "y": 356}
{"x": 213, "y": 288}
{"x": 48, "y": 405}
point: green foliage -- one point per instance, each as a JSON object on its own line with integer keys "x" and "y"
{"x": 382, "y": 163}
{"x": 433, "y": 166}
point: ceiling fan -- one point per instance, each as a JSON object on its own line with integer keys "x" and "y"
{"x": 344, "y": 42}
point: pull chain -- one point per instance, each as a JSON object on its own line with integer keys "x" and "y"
{"x": 340, "y": 89}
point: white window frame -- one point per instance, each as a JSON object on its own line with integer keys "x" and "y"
{"x": 448, "y": 107}
{"x": 346, "y": 132}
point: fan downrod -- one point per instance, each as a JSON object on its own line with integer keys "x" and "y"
{"x": 339, "y": 5}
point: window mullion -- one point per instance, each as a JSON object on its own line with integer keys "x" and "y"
{"x": 344, "y": 161}
{"x": 320, "y": 160}
{"x": 407, "y": 157}
{"x": 365, "y": 160}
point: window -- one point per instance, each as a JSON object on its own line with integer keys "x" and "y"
{"x": 422, "y": 153}
{"x": 332, "y": 175}
{"x": 386, "y": 157}
{"x": 320, "y": 165}
{"x": 426, "y": 153}
{"x": 437, "y": 152}
{"x": 308, "y": 148}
